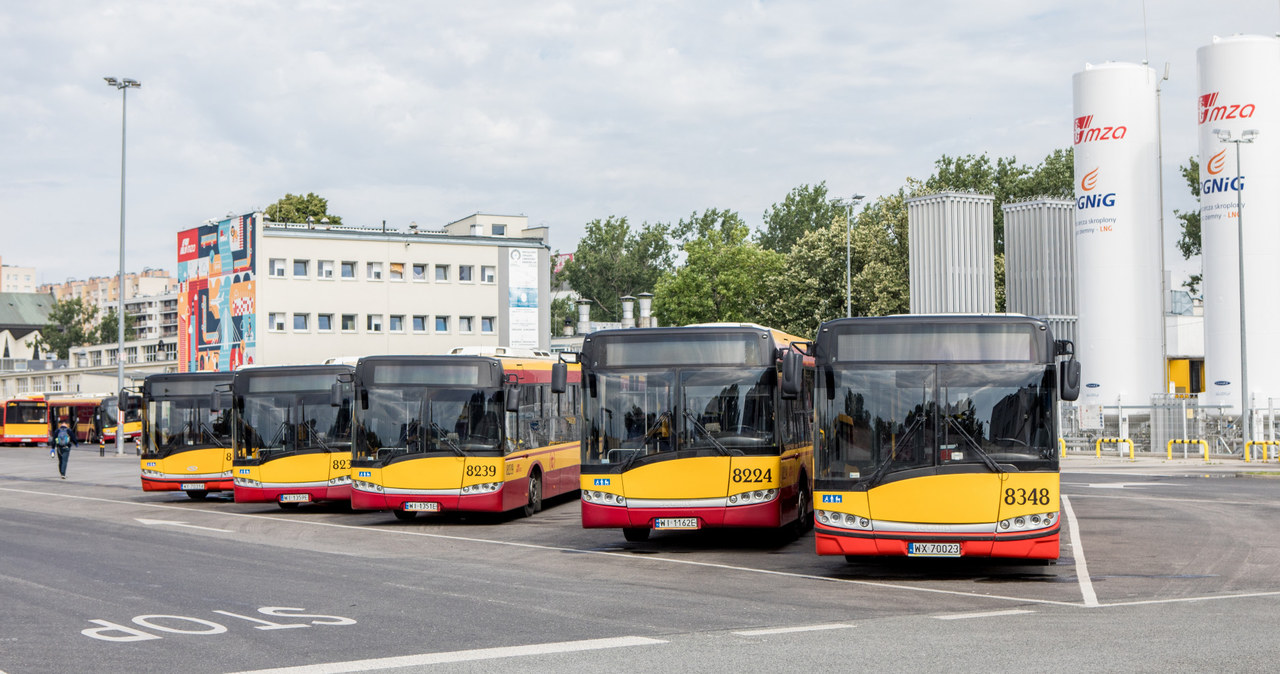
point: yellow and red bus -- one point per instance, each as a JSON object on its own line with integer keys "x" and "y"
{"x": 291, "y": 432}
{"x": 105, "y": 426}
{"x": 462, "y": 433}
{"x": 24, "y": 420}
{"x": 936, "y": 436}
{"x": 186, "y": 438}
{"x": 80, "y": 411}
{"x": 688, "y": 428}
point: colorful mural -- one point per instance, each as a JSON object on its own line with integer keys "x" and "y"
{"x": 216, "y": 295}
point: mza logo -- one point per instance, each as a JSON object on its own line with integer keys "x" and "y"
{"x": 1213, "y": 167}
{"x": 1087, "y": 184}
{"x": 1210, "y": 111}
{"x": 1086, "y": 131}
{"x": 601, "y": 482}
{"x": 832, "y": 498}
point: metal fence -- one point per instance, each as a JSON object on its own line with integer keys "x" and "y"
{"x": 1170, "y": 417}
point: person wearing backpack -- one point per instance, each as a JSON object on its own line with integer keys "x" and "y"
{"x": 63, "y": 439}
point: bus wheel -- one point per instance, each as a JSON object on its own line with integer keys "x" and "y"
{"x": 636, "y": 534}
{"x": 535, "y": 494}
{"x": 197, "y": 495}
{"x": 405, "y": 515}
{"x": 804, "y": 512}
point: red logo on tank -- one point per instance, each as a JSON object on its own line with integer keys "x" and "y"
{"x": 1210, "y": 111}
{"x": 1086, "y": 131}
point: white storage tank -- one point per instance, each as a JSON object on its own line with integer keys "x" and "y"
{"x": 1117, "y": 232}
{"x": 1040, "y": 262}
{"x": 1239, "y": 92}
{"x": 951, "y": 253}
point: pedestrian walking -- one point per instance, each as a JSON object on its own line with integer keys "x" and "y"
{"x": 63, "y": 440}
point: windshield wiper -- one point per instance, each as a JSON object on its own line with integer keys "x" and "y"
{"x": 207, "y": 431}
{"x": 714, "y": 442}
{"x": 973, "y": 444}
{"x": 650, "y": 434}
{"x": 882, "y": 470}
{"x": 441, "y": 435}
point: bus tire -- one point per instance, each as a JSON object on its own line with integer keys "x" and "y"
{"x": 804, "y": 509}
{"x": 405, "y": 515}
{"x": 636, "y": 534}
{"x": 535, "y": 493}
{"x": 196, "y": 495}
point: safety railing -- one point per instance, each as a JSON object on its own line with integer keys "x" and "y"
{"x": 1063, "y": 444}
{"x": 1186, "y": 441}
{"x": 1116, "y": 441}
{"x": 1266, "y": 445}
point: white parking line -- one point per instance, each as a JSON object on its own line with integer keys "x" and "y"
{"x": 788, "y": 630}
{"x": 656, "y": 559}
{"x": 375, "y": 664}
{"x": 1077, "y": 551}
{"x": 988, "y": 614}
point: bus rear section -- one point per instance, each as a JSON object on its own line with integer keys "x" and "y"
{"x": 937, "y": 437}
{"x": 687, "y": 428}
{"x": 291, "y": 434}
{"x": 23, "y": 420}
{"x": 461, "y": 433}
{"x": 185, "y": 443}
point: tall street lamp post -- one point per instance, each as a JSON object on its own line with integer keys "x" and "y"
{"x": 1246, "y": 136}
{"x": 123, "y": 84}
{"x": 848, "y": 254}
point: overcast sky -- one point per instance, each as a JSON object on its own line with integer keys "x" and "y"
{"x": 564, "y": 112}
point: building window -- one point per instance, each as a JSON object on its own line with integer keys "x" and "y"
{"x": 442, "y": 273}
{"x": 487, "y": 275}
{"x": 373, "y": 271}
{"x": 277, "y": 267}
{"x": 396, "y": 323}
{"x": 300, "y": 322}
{"x": 324, "y": 322}
{"x": 275, "y": 322}
{"x": 486, "y": 324}
{"x": 419, "y": 323}
{"x": 499, "y": 230}
{"x": 442, "y": 323}
{"x": 465, "y": 324}
{"x": 465, "y": 272}
{"x": 397, "y": 271}
{"x": 373, "y": 322}
{"x": 419, "y": 272}
{"x": 130, "y": 355}
{"x": 96, "y": 358}
{"x": 326, "y": 268}
{"x": 301, "y": 268}
{"x": 348, "y": 322}
{"x": 348, "y": 269}
{"x": 111, "y": 357}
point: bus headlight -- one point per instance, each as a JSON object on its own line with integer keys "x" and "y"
{"x": 340, "y": 480}
{"x": 843, "y": 520}
{"x": 603, "y": 498}
{"x": 361, "y": 485}
{"x": 1029, "y": 522}
{"x": 486, "y": 488}
{"x": 151, "y": 473}
{"x": 225, "y": 473}
{"x": 752, "y": 497}
{"x": 246, "y": 482}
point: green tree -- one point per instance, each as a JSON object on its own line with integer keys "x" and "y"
{"x": 108, "y": 331}
{"x": 723, "y": 277}
{"x": 1189, "y": 242}
{"x": 612, "y": 261}
{"x": 70, "y": 324}
{"x": 562, "y": 308}
{"x": 297, "y": 208}
{"x": 805, "y": 209}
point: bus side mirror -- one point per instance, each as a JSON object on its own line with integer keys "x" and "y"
{"x": 215, "y": 400}
{"x": 792, "y": 374}
{"x": 335, "y": 395}
{"x": 128, "y": 401}
{"x": 1069, "y": 379}
{"x": 559, "y": 378}
{"x": 511, "y": 397}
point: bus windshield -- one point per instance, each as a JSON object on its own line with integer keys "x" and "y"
{"x": 108, "y": 411}
{"x": 417, "y": 420}
{"x": 25, "y": 412}
{"x": 175, "y": 424}
{"x": 888, "y": 418}
{"x": 273, "y": 423}
{"x": 719, "y": 410}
